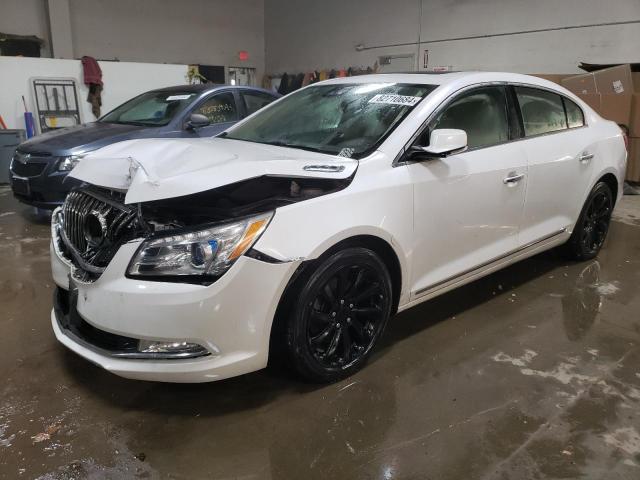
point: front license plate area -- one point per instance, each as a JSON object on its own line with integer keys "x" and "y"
{"x": 20, "y": 186}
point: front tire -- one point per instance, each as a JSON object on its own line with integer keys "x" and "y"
{"x": 592, "y": 226}
{"x": 340, "y": 311}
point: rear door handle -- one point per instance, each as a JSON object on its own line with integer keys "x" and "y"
{"x": 513, "y": 178}
{"x": 586, "y": 157}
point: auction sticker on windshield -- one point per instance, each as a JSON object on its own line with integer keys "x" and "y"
{"x": 179, "y": 97}
{"x": 391, "y": 99}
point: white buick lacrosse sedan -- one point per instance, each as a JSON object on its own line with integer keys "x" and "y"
{"x": 303, "y": 229}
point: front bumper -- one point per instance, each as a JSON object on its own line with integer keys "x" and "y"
{"x": 46, "y": 189}
{"x": 231, "y": 318}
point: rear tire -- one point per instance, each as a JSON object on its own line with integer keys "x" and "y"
{"x": 592, "y": 226}
{"x": 337, "y": 315}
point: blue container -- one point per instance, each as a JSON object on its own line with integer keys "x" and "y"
{"x": 29, "y": 125}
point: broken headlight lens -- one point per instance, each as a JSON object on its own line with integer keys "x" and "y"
{"x": 209, "y": 251}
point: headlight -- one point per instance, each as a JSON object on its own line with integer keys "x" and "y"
{"x": 208, "y": 252}
{"x": 66, "y": 164}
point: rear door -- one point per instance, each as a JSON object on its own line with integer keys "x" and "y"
{"x": 559, "y": 155}
{"x": 468, "y": 206}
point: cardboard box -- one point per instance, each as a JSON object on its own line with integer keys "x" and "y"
{"x": 580, "y": 84}
{"x": 591, "y": 99}
{"x": 609, "y": 81}
{"x": 633, "y": 161}
{"x": 614, "y": 80}
{"x": 634, "y": 123}
{"x": 554, "y": 77}
{"x": 616, "y": 108}
{"x": 635, "y": 78}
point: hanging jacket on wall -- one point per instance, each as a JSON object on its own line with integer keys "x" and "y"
{"x": 284, "y": 84}
{"x": 93, "y": 79}
{"x": 296, "y": 82}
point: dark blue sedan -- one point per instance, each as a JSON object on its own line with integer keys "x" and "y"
{"x": 40, "y": 166}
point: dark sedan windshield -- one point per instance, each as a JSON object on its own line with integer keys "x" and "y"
{"x": 349, "y": 120}
{"x": 151, "y": 109}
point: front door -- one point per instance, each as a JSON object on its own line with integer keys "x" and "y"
{"x": 468, "y": 206}
{"x": 221, "y": 110}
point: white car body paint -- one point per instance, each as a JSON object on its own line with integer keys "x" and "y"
{"x": 449, "y": 221}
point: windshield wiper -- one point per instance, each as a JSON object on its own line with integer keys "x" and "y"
{"x": 139, "y": 124}
{"x": 279, "y": 143}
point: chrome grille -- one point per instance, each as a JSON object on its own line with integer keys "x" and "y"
{"x": 93, "y": 245}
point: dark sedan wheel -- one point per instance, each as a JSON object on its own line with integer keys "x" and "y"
{"x": 341, "y": 311}
{"x": 593, "y": 224}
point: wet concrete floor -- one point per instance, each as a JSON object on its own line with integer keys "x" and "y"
{"x": 533, "y": 372}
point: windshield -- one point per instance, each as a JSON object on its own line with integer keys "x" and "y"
{"x": 151, "y": 109}
{"x": 349, "y": 120}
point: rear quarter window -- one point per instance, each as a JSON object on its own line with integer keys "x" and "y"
{"x": 542, "y": 111}
{"x": 575, "y": 115}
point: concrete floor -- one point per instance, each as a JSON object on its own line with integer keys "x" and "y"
{"x": 533, "y": 372}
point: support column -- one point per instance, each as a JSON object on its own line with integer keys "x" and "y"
{"x": 60, "y": 28}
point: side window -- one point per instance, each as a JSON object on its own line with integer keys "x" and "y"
{"x": 482, "y": 113}
{"x": 220, "y": 108}
{"x": 254, "y": 101}
{"x": 575, "y": 116}
{"x": 542, "y": 111}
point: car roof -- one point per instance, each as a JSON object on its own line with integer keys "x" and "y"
{"x": 452, "y": 79}
{"x": 208, "y": 87}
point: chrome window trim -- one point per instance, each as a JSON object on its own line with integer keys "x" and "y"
{"x": 398, "y": 161}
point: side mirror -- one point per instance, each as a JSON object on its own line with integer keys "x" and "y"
{"x": 443, "y": 142}
{"x": 197, "y": 120}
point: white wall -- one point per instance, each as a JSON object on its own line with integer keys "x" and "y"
{"x": 122, "y": 81}
{"x": 209, "y": 32}
{"x": 324, "y": 34}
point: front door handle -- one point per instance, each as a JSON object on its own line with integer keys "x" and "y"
{"x": 586, "y": 157}
{"x": 513, "y": 178}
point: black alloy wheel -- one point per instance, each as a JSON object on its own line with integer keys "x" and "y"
{"x": 340, "y": 313}
{"x": 593, "y": 224}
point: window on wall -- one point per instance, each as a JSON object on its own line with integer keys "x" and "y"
{"x": 482, "y": 113}
{"x": 542, "y": 111}
{"x": 575, "y": 116}
{"x": 220, "y": 108}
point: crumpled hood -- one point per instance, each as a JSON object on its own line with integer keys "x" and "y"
{"x": 155, "y": 169}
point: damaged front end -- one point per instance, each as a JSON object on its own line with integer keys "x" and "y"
{"x": 193, "y": 238}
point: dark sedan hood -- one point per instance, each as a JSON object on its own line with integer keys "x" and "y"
{"x": 87, "y": 137}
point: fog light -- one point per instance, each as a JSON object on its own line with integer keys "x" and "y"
{"x": 172, "y": 349}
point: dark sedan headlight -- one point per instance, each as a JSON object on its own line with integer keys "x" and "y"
{"x": 207, "y": 252}
{"x": 66, "y": 164}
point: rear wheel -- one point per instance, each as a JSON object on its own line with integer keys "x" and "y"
{"x": 592, "y": 226}
{"x": 340, "y": 312}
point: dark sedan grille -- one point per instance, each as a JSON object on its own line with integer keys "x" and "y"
{"x": 31, "y": 169}
{"x": 94, "y": 228}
